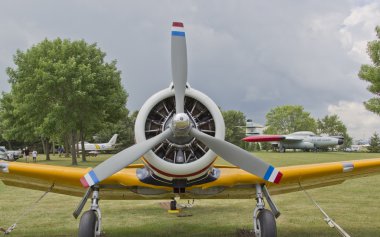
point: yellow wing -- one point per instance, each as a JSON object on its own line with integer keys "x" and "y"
{"x": 232, "y": 183}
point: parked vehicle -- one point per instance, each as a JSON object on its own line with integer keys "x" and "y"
{"x": 9, "y": 155}
{"x": 3, "y": 153}
{"x": 14, "y": 154}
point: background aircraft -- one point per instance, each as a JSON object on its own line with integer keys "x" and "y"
{"x": 110, "y": 145}
{"x": 3, "y": 154}
{"x": 179, "y": 132}
{"x": 304, "y": 140}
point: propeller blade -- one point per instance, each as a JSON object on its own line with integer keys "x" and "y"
{"x": 179, "y": 65}
{"x": 121, "y": 160}
{"x": 239, "y": 157}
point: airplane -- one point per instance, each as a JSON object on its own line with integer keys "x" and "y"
{"x": 304, "y": 140}
{"x": 110, "y": 145}
{"x": 179, "y": 135}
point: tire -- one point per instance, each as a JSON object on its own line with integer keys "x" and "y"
{"x": 267, "y": 223}
{"x": 88, "y": 224}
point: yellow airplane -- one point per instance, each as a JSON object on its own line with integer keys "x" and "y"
{"x": 179, "y": 134}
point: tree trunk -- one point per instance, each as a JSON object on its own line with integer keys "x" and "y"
{"x": 73, "y": 147}
{"x": 67, "y": 145}
{"x": 76, "y": 144}
{"x": 53, "y": 148}
{"x": 82, "y": 146}
{"x": 47, "y": 146}
{"x": 9, "y": 145}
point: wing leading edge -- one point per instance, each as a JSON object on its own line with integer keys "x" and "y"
{"x": 309, "y": 176}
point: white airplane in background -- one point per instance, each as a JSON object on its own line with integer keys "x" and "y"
{"x": 110, "y": 145}
{"x": 304, "y": 140}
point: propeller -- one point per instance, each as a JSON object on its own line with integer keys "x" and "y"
{"x": 179, "y": 65}
{"x": 122, "y": 159}
{"x": 239, "y": 157}
{"x": 182, "y": 127}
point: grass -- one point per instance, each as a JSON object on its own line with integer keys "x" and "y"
{"x": 353, "y": 205}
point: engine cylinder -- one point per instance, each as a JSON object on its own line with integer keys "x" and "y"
{"x": 179, "y": 156}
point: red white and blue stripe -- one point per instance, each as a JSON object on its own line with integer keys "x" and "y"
{"x": 89, "y": 179}
{"x": 273, "y": 175}
{"x": 178, "y": 30}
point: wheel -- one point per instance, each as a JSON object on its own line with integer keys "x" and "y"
{"x": 88, "y": 224}
{"x": 267, "y": 223}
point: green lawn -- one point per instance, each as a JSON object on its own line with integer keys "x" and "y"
{"x": 354, "y": 205}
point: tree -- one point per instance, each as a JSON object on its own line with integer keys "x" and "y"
{"x": 333, "y": 126}
{"x": 347, "y": 142}
{"x": 235, "y": 122}
{"x": 124, "y": 128}
{"x": 374, "y": 143}
{"x": 60, "y": 88}
{"x": 371, "y": 73}
{"x": 288, "y": 119}
{"x": 266, "y": 146}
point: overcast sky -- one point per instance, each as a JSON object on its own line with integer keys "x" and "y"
{"x": 246, "y": 55}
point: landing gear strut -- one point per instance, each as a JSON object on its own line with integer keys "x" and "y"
{"x": 91, "y": 221}
{"x": 264, "y": 220}
{"x": 281, "y": 149}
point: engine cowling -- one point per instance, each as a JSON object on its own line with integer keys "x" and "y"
{"x": 179, "y": 157}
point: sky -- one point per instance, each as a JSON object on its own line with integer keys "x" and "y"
{"x": 246, "y": 55}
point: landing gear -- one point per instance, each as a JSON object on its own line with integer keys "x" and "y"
{"x": 264, "y": 220}
{"x": 281, "y": 149}
{"x": 266, "y": 223}
{"x": 91, "y": 221}
{"x": 88, "y": 224}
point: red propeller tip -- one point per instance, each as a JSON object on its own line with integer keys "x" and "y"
{"x": 178, "y": 24}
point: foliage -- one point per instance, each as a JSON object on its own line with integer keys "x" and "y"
{"x": 288, "y": 119}
{"x": 374, "y": 143}
{"x": 266, "y": 146}
{"x": 347, "y": 142}
{"x": 371, "y": 74}
{"x": 61, "y": 87}
{"x": 235, "y": 123}
{"x": 333, "y": 126}
{"x": 125, "y": 130}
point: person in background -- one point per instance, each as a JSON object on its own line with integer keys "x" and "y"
{"x": 26, "y": 154}
{"x": 60, "y": 151}
{"x": 34, "y": 154}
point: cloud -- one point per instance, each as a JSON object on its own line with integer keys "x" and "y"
{"x": 358, "y": 28}
{"x": 245, "y": 55}
{"x": 360, "y": 122}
